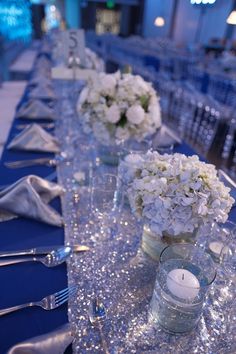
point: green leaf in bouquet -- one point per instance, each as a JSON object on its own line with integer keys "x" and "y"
{"x": 144, "y": 100}
{"x": 109, "y": 101}
{"x": 122, "y": 121}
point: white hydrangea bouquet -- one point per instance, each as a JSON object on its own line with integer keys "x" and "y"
{"x": 175, "y": 195}
{"x": 117, "y": 107}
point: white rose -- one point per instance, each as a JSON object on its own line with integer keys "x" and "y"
{"x": 93, "y": 97}
{"x": 135, "y": 114}
{"x": 155, "y": 114}
{"x": 83, "y": 96}
{"x": 141, "y": 84}
{"x": 113, "y": 114}
{"x": 108, "y": 85}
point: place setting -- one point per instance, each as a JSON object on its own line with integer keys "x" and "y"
{"x": 35, "y": 109}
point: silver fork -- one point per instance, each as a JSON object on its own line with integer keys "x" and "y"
{"x": 49, "y": 302}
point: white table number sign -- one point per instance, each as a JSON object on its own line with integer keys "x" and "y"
{"x": 74, "y": 43}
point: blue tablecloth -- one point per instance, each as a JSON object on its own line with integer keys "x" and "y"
{"x": 22, "y": 283}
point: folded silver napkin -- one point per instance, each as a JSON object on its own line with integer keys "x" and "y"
{"x": 29, "y": 197}
{"x": 165, "y": 137}
{"x": 38, "y": 80}
{"x": 35, "y": 109}
{"x": 42, "y": 62}
{"x": 34, "y": 138}
{"x": 42, "y": 92}
{"x": 54, "y": 342}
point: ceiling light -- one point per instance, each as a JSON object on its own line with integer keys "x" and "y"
{"x": 159, "y": 21}
{"x": 231, "y": 20}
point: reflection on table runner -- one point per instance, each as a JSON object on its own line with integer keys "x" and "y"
{"x": 115, "y": 269}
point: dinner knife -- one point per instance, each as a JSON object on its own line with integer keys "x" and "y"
{"x": 42, "y": 250}
{"x": 26, "y": 163}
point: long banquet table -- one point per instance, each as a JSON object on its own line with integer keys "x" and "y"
{"x": 104, "y": 268}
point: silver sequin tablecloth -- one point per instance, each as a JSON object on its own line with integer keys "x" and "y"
{"x": 116, "y": 269}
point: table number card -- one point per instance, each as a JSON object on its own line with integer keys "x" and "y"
{"x": 74, "y": 43}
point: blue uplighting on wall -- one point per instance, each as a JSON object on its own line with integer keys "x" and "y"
{"x": 15, "y": 19}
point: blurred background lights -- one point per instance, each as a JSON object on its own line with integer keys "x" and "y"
{"x": 53, "y": 17}
{"x": 231, "y": 20}
{"x": 204, "y": 2}
{"x": 15, "y": 19}
{"x": 159, "y": 21}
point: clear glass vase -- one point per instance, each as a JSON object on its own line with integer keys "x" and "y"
{"x": 153, "y": 244}
{"x": 108, "y": 154}
{"x": 185, "y": 274}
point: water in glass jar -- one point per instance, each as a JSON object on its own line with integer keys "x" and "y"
{"x": 174, "y": 314}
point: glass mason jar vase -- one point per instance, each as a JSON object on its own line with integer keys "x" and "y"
{"x": 153, "y": 244}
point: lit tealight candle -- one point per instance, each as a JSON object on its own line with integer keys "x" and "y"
{"x": 216, "y": 248}
{"x": 183, "y": 284}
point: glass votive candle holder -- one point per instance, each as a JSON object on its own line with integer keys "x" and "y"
{"x": 228, "y": 259}
{"x": 217, "y": 241}
{"x": 165, "y": 149}
{"x": 104, "y": 206}
{"x": 128, "y": 165}
{"x": 103, "y": 194}
{"x": 82, "y": 173}
{"x": 132, "y": 146}
{"x": 184, "y": 275}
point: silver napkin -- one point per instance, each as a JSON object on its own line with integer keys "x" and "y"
{"x": 29, "y": 197}
{"x": 54, "y": 342}
{"x": 35, "y": 109}
{"x": 34, "y": 138}
{"x": 40, "y": 81}
{"x": 42, "y": 91}
{"x": 164, "y": 137}
{"x": 42, "y": 62}
{"x": 228, "y": 182}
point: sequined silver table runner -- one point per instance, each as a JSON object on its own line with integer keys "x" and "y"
{"x": 116, "y": 269}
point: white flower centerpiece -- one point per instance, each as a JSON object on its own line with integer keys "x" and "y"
{"x": 174, "y": 195}
{"x": 118, "y": 107}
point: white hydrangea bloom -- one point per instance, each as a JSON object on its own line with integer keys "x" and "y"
{"x": 174, "y": 193}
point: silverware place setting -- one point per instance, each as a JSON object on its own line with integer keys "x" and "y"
{"x": 25, "y": 163}
{"x": 44, "y": 161}
{"x": 49, "y": 302}
{"x": 49, "y": 256}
